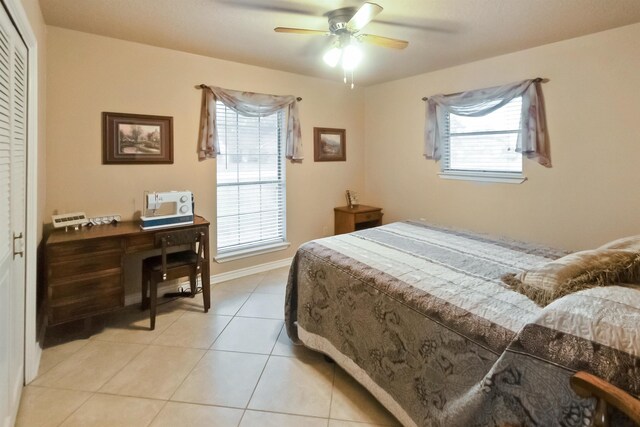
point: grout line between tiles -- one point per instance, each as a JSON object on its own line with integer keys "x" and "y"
{"x": 186, "y": 402}
{"x": 276, "y": 341}
{"x": 158, "y": 413}
{"x": 170, "y": 325}
{"x": 242, "y": 417}
{"x": 123, "y": 366}
{"x": 188, "y": 374}
{"x": 294, "y": 414}
{"x": 56, "y": 364}
{"x": 257, "y": 382}
{"x": 221, "y": 332}
{"x": 104, "y": 393}
{"x": 77, "y": 409}
{"x": 263, "y": 318}
{"x": 291, "y": 414}
{"x": 267, "y": 353}
{"x": 333, "y": 387}
{"x": 242, "y": 305}
{"x": 269, "y": 293}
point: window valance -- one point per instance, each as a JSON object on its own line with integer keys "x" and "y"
{"x": 532, "y": 140}
{"x": 248, "y": 104}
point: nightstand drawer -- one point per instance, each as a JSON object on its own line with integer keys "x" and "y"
{"x": 368, "y": 216}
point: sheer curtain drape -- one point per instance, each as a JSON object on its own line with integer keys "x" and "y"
{"x": 532, "y": 140}
{"x": 251, "y": 105}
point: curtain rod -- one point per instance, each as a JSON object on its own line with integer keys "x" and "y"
{"x": 536, "y": 80}
{"x": 204, "y": 86}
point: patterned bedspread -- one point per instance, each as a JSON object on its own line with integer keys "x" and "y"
{"x": 420, "y": 317}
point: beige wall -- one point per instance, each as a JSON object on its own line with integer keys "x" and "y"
{"x": 592, "y": 192}
{"x": 90, "y": 74}
{"x": 588, "y": 197}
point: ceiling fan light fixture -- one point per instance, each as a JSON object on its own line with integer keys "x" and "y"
{"x": 351, "y": 57}
{"x": 332, "y": 56}
{"x": 345, "y": 25}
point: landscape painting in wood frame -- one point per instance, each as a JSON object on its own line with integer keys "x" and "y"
{"x": 136, "y": 139}
{"x": 329, "y": 145}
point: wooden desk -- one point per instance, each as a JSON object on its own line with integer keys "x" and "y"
{"x": 359, "y": 217}
{"x": 85, "y": 268}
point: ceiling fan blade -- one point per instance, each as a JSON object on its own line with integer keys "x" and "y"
{"x": 383, "y": 41}
{"x": 363, "y": 16}
{"x": 300, "y": 31}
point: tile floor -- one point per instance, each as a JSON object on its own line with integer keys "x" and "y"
{"x": 233, "y": 366}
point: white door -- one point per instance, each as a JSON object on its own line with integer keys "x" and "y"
{"x": 13, "y": 110}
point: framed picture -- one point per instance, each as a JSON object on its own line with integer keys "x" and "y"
{"x": 352, "y": 199}
{"x": 329, "y": 145}
{"x": 136, "y": 139}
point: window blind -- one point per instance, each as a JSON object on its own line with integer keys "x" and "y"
{"x": 484, "y": 144}
{"x": 250, "y": 181}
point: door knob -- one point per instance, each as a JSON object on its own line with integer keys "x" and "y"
{"x": 17, "y": 237}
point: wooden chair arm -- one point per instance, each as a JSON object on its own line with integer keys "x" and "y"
{"x": 587, "y": 385}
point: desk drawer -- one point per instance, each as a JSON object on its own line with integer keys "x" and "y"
{"x": 140, "y": 242}
{"x": 89, "y": 287}
{"x": 83, "y": 248}
{"x": 368, "y": 216}
{"x": 71, "y": 309}
{"x": 82, "y": 266}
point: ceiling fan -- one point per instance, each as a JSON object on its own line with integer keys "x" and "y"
{"x": 349, "y": 21}
{"x": 345, "y": 25}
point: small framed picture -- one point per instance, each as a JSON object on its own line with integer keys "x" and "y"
{"x": 136, "y": 139}
{"x": 352, "y": 199}
{"x": 329, "y": 145}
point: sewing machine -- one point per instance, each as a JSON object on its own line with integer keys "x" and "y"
{"x": 167, "y": 209}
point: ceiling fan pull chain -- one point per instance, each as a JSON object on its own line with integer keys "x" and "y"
{"x": 344, "y": 72}
{"x": 351, "y": 79}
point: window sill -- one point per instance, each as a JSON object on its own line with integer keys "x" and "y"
{"x": 249, "y": 252}
{"x": 485, "y": 177}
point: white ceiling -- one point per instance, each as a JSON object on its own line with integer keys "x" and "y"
{"x": 441, "y": 33}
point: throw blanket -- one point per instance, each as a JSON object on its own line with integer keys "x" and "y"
{"x": 420, "y": 317}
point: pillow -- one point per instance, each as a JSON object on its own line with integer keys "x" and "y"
{"x": 574, "y": 272}
{"x": 631, "y": 243}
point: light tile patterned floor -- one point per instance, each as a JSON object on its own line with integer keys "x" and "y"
{"x": 233, "y": 366}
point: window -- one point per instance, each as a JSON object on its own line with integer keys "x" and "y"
{"x": 483, "y": 148}
{"x": 250, "y": 184}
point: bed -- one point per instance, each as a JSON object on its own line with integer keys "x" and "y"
{"x": 420, "y": 317}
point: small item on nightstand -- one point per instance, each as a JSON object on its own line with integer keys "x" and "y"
{"x": 352, "y": 199}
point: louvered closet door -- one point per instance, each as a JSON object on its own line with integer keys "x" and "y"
{"x": 13, "y": 96}
{"x": 18, "y": 211}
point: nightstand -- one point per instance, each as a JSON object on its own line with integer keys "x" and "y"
{"x": 357, "y": 218}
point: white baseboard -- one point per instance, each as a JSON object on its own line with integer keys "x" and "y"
{"x": 215, "y": 278}
{"x": 260, "y": 268}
